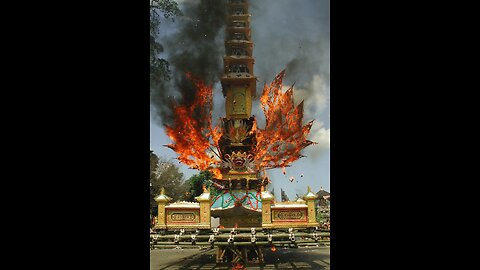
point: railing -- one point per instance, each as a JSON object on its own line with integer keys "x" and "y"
{"x": 241, "y": 237}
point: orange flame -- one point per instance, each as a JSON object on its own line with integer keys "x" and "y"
{"x": 277, "y": 145}
{"x": 239, "y": 266}
{"x": 192, "y": 134}
{"x": 254, "y": 128}
{"x": 284, "y": 135}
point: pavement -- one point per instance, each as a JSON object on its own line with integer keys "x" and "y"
{"x": 294, "y": 258}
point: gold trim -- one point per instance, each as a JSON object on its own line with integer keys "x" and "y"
{"x": 290, "y": 225}
{"x": 193, "y": 226}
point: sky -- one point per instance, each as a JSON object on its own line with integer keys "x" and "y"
{"x": 287, "y": 34}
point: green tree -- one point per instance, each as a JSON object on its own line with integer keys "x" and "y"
{"x": 159, "y": 67}
{"x": 164, "y": 173}
{"x": 153, "y": 163}
{"x": 196, "y": 182}
{"x": 153, "y": 167}
{"x": 320, "y": 218}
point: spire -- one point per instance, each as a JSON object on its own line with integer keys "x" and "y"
{"x": 162, "y": 197}
{"x": 205, "y": 196}
{"x": 309, "y": 194}
{"x": 266, "y": 195}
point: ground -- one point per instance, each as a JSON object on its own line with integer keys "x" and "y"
{"x": 300, "y": 258}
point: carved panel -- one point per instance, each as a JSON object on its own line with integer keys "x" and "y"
{"x": 175, "y": 216}
{"x": 294, "y": 215}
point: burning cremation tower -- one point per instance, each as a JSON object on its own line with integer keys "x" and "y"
{"x": 238, "y": 154}
{"x": 238, "y": 202}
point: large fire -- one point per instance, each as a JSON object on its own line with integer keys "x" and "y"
{"x": 192, "y": 134}
{"x": 284, "y": 136}
{"x": 277, "y": 145}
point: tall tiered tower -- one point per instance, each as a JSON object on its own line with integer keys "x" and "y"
{"x": 238, "y": 199}
{"x": 238, "y": 81}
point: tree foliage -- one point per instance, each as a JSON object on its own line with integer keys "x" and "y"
{"x": 284, "y": 196}
{"x": 153, "y": 163}
{"x": 166, "y": 174}
{"x": 159, "y": 67}
{"x": 195, "y": 183}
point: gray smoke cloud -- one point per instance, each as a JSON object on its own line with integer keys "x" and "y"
{"x": 196, "y": 47}
{"x": 295, "y": 35}
{"x": 287, "y": 34}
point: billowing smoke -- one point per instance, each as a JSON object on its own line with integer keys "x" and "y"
{"x": 196, "y": 47}
{"x": 295, "y": 35}
{"x": 291, "y": 35}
